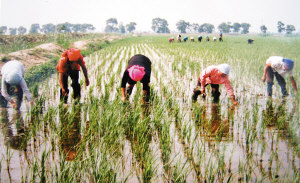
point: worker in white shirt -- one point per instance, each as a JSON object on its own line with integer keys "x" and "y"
{"x": 281, "y": 68}
{"x": 13, "y": 75}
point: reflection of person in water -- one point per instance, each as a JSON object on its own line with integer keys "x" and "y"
{"x": 13, "y": 138}
{"x": 70, "y": 136}
{"x": 215, "y": 126}
{"x": 275, "y": 116}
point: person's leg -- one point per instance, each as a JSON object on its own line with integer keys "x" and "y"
{"x": 65, "y": 85}
{"x": 3, "y": 101}
{"x": 75, "y": 84}
{"x": 19, "y": 94}
{"x": 129, "y": 89}
{"x": 270, "y": 79}
{"x": 215, "y": 92}
{"x": 282, "y": 84}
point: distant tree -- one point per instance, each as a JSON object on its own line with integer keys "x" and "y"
{"x": 111, "y": 25}
{"x": 22, "y": 30}
{"x": 64, "y": 27}
{"x": 236, "y": 27}
{"x": 263, "y": 29}
{"x": 35, "y": 28}
{"x": 131, "y": 26}
{"x": 122, "y": 28}
{"x": 224, "y": 27}
{"x": 245, "y": 27}
{"x": 87, "y": 27}
{"x": 48, "y": 28}
{"x": 76, "y": 28}
{"x": 206, "y": 27}
{"x": 160, "y": 25}
{"x": 289, "y": 29}
{"x": 280, "y": 27}
{"x": 12, "y": 31}
{"x": 3, "y": 30}
{"x": 195, "y": 27}
{"x": 182, "y": 26}
{"x": 60, "y": 28}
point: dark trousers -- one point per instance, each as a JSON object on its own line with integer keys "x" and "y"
{"x": 214, "y": 91}
{"x": 74, "y": 75}
{"x": 13, "y": 91}
{"x": 280, "y": 80}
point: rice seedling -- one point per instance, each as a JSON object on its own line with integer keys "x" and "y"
{"x": 101, "y": 139}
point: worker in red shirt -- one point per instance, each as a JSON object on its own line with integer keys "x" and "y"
{"x": 69, "y": 65}
{"x": 214, "y": 75}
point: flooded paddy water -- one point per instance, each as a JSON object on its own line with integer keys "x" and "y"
{"x": 171, "y": 139}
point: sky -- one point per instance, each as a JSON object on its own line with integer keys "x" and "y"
{"x": 15, "y": 13}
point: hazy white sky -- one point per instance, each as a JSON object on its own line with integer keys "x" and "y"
{"x": 14, "y": 13}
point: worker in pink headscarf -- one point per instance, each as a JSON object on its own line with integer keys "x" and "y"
{"x": 138, "y": 69}
{"x": 214, "y": 75}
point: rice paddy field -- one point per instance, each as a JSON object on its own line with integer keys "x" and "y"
{"x": 171, "y": 139}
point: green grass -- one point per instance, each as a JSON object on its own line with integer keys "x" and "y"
{"x": 170, "y": 139}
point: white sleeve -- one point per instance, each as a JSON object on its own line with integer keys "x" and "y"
{"x": 4, "y": 90}
{"x": 26, "y": 90}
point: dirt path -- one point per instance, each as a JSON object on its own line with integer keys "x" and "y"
{"x": 42, "y": 53}
{"x": 34, "y": 56}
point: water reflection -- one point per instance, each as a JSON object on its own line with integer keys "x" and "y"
{"x": 70, "y": 130}
{"x": 215, "y": 126}
{"x": 13, "y": 130}
{"x": 275, "y": 116}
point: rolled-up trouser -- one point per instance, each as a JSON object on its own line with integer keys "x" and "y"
{"x": 215, "y": 92}
{"x": 270, "y": 82}
{"x": 74, "y": 75}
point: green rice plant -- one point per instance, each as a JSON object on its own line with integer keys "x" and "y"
{"x": 180, "y": 172}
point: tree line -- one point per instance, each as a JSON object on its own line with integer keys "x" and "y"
{"x": 47, "y": 28}
{"x": 159, "y": 25}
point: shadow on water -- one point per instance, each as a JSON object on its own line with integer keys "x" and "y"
{"x": 70, "y": 130}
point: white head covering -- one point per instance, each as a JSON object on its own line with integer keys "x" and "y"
{"x": 13, "y": 78}
{"x": 224, "y": 68}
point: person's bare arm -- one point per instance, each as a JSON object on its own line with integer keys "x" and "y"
{"x": 60, "y": 78}
{"x": 123, "y": 91}
{"x": 234, "y": 101}
{"x": 265, "y": 72}
{"x": 84, "y": 70}
{"x": 293, "y": 83}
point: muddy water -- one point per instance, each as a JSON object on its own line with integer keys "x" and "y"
{"x": 250, "y": 141}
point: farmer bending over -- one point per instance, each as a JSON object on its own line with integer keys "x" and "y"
{"x": 199, "y": 38}
{"x": 214, "y": 75}
{"x": 69, "y": 65}
{"x": 280, "y": 67}
{"x": 138, "y": 69}
{"x": 13, "y": 75}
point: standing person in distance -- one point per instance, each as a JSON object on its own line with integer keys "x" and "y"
{"x": 13, "y": 75}
{"x": 69, "y": 65}
{"x": 280, "y": 68}
{"x": 138, "y": 69}
{"x": 214, "y": 75}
